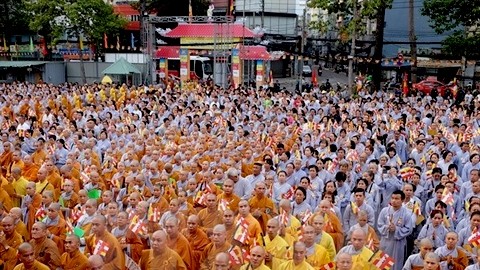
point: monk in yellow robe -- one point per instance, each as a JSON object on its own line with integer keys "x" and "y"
{"x": 320, "y": 256}
{"x": 114, "y": 257}
{"x": 261, "y": 206}
{"x": 19, "y": 184}
{"x": 257, "y": 255}
{"x": 360, "y": 253}
{"x": 274, "y": 244}
{"x": 72, "y": 258}
{"x": 322, "y": 238}
{"x": 298, "y": 262}
{"x": 290, "y": 225}
{"x": 197, "y": 238}
{"x": 161, "y": 255}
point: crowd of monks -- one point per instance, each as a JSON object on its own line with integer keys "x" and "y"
{"x": 200, "y": 177}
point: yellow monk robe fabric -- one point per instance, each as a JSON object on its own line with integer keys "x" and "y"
{"x": 289, "y": 265}
{"x": 248, "y": 266}
{"x": 168, "y": 260}
{"x": 277, "y": 247}
{"x": 326, "y": 241}
{"x": 319, "y": 257}
{"x": 334, "y": 228}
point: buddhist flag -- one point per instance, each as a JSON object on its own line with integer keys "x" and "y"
{"x": 447, "y": 197}
{"x": 153, "y": 214}
{"x": 289, "y": 194}
{"x": 235, "y": 258}
{"x": 270, "y": 79}
{"x": 381, "y": 260}
{"x": 306, "y": 216}
{"x": 241, "y": 233}
{"x": 406, "y": 173}
{"x": 101, "y": 248}
{"x": 352, "y": 155}
{"x": 76, "y": 214}
{"x": 80, "y": 42}
{"x": 137, "y": 226}
{"x": 328, "y": 266}
{"x": 354, "y": 207}
{"x": 40, "y": 214}
{"x": 223, "y": 205}
{"x": 105, "y": 40}
{"x": 5, "y": 48}
{"x": 474, "y": 239}
{"x": 232, "y": 7}
{"x": 69, "y": 226}
{"x": 418, "y": 212}
{"x": 32, "y": 48}
{"x": 314, "y": 78}
{"x": 284, "y": 218}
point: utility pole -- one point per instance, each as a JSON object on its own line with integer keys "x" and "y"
{"x": 302, "y": 44}
{"x": 413, "y": 40}
{"x": 352, "y": 50}
{"x": 263, "y": 13}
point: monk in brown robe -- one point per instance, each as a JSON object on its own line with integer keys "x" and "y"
{"x": 332, "y": 223}
{"x": 177, "y": 242}
{"x": 130, "y": 241}
{"x": 46, "y": 251}
{"x": 30, "y": 169}
{"x": 20, "y": 227}
{"x": 254, "y": 229}
{"x": 5, "y": 199}
{"x": 210, "y": 216}
{"x": 114, "y": 257}
{"x": 229, "y": 199}
{"x": 56, "y": 225}
{"x": 25, "y": 253}
{"x": 161, "y": 255}
{"x": 72, "y": 258}
{"x": 197, "y": 238}
{"x": 219, "y": 244}
{"x": 9, "y": 242}
{"x": 261, "y": 206}
{"x": 6, "y": 158}
{"x": 31, "y": 202}
{"x": 229, "y": 223}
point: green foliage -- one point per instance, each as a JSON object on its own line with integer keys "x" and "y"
{"x": 174, "y": 8}
{"x": 13, "y": 18}
{"x": 366, "y": 9}
{"x": 92, "y": 18}
{"x": 458, "y": 15}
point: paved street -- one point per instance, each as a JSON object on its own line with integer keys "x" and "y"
{"x": 289, "y": 83}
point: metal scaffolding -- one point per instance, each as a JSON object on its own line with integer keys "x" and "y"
{"x": 222, "y": 39}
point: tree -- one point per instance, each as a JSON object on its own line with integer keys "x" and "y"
{"x": 75, "y": 18}
{"x": 13, "y": 18}
{"x": 367, "y": 9}
{"x": 460, "y": 18}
